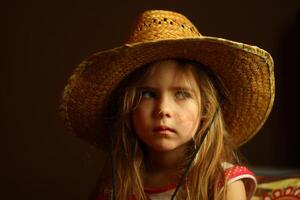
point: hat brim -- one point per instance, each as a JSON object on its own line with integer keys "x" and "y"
{"x": 246, "y": 71}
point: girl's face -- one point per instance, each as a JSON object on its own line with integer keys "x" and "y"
{"x": 168, "y": 114}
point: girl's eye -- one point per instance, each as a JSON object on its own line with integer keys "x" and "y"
{"x": 148, "y": 94}
{"x": 182, "y": 94}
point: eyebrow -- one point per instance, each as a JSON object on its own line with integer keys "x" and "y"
{"x": 173, "y": 88}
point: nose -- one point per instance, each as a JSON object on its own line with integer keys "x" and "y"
{"x": 163, "y": 107}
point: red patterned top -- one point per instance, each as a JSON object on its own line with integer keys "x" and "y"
{"x": 232, "y": 173}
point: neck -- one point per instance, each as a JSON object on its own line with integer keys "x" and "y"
{"x": 165, "y": 160}
{"x": 163, "y": 167}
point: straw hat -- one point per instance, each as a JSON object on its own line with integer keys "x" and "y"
{"x": 246, "y": 71}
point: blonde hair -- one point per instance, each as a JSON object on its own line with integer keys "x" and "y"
{"x": 206, "y": 172}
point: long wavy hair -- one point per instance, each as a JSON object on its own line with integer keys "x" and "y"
{"x": 205, "y": 175}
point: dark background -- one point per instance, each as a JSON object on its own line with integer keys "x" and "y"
{"x": 43, "y": 41}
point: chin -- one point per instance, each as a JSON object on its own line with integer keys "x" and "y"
{"x": 164, "y": 148}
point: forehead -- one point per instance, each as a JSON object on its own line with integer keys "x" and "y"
{"x": 170, "y": 72}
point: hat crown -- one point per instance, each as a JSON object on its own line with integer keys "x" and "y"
{"x": 162, "y": 25}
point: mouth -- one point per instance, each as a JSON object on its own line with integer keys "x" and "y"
{"x": 163, "y": 130}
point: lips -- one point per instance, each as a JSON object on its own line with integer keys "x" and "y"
{"x": 163, "y": 129}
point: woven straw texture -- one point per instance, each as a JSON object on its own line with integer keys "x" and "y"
{"x": 247, "y": 72}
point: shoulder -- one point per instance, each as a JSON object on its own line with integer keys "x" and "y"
{"x": 236, "y": 190}
{"x": 239, "y": 179}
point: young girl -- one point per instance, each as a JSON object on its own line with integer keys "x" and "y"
{"x": 171, "y": 106}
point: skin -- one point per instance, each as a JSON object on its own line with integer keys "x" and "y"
{"x": 236, "y": 191}
{"x": 169, "y": 100}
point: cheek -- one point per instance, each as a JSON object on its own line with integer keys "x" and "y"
{"x": 137, "y": 119}
{"x": 189, "y": 119}
{"x": 140, "y": 117}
